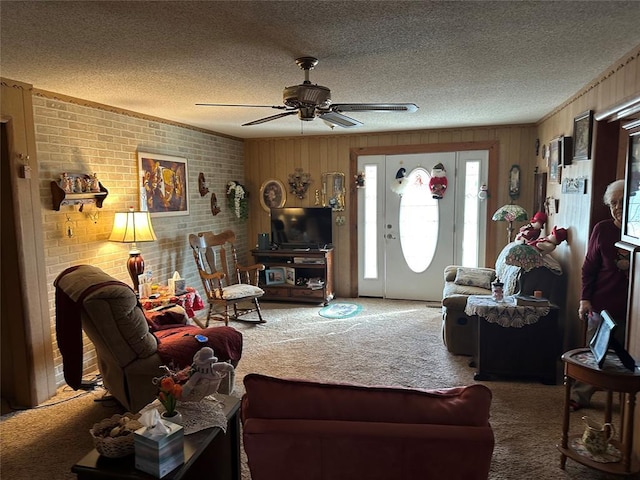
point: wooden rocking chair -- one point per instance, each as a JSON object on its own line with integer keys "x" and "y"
{"x": 225, "y": 288}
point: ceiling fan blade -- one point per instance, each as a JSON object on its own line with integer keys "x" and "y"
{"x": 374, "y": 107}
{"x": 272, "y": 117}
{"x": 278, "y": 107}
{"x": 340, "y": 120}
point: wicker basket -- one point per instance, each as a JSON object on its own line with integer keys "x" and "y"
{"x": 113, "y": 447}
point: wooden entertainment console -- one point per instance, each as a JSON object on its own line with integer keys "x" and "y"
{"x": 304, "y": 264}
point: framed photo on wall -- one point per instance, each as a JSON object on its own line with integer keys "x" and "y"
{"x": 582, "y": 135}
{"x": 555, "y": 149}
{"x": 164, "y": 186}
{"x": 272, "y": 195}
{"x": 539, "y": 191}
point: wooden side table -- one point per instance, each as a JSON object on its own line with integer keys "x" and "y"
{"x": 515, "y": 341}
{"x": 211, "y": 454}
{"x": 580, "y": 365}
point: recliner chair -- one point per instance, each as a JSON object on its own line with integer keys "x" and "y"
{"x": 130, "y": 348}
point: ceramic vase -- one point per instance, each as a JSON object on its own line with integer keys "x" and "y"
{"x": 175, "y": 418}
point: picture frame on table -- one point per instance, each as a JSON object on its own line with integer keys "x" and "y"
{"x": 290, "y": 275}
{"x": 163, "y": 182}
{"x": 555, "y": 169}
{"x": 272, "y": 195}
{"x": 274, "y": 276}
{"x": 582, "y": 136}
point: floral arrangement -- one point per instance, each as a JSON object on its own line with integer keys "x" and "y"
{"x": 170, "y": 393}
{"x": 237, "y": 200}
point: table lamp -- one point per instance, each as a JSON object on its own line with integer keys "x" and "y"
{"x": 510, "y": 213}
{"x": 131, "y": 227}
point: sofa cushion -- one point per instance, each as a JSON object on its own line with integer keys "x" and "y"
{"x": 474, "y": 277}
{"x": 275, "y": 398}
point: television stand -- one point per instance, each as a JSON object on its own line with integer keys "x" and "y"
{"x": 296, "y": 275}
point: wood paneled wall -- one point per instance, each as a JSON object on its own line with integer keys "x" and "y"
{"x": 276, "y": 158}
{"x": 578, "y": 213}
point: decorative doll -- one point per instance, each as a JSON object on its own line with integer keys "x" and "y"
{"x": 549, "y": 243}
{"x": 438, "y": 182}
{"x": 531, "y": 231}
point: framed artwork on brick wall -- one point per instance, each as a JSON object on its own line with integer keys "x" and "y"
{"x": 164, "y": 186}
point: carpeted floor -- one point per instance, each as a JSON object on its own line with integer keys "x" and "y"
{"x": 387, "y": 343}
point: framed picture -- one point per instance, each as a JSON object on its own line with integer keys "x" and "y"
{"x": 539, "y": 191}
{"x": 574, "y": 185}
{"x": 290, "y": 275}
{"x": 582, "y": 135}
{"x": 631, "y": 205}
{"x": 566, "y": 152}
{"x": 272, "y": 195}
{"x": 603, "y": 341}
{"x": 274, "y": 276}
{"x": 554, "y": 160}
{"x": 164, "y": 186}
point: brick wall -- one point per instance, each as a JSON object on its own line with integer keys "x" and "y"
{"x": 75, "y": 138}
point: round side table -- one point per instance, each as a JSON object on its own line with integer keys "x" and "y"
{"x": 580, "y": 365}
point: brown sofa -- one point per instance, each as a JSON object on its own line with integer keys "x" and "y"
{"x": 459, "y": 330}
{"x": 305, "y": 430}
{"x": 130, "y": 347}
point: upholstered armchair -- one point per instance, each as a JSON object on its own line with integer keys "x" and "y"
{"x": 130, "y": 346}
{"x": 459, "y": 330}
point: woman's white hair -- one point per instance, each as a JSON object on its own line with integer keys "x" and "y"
{"x": 613, "y": 187}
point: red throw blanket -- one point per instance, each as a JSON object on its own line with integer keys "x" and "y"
{"x": 69, "y": 329}
{"x": 178, "y": 345}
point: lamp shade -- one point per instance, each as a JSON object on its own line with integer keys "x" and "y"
{"x": 510, "y": 213}
{"x": 132, "y": 227}
{"x": 524, "y": 256}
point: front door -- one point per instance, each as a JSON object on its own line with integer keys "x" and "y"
{"x": 406, "y": 237}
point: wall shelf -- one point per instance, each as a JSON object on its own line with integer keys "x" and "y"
{"x": 60, "y": 197}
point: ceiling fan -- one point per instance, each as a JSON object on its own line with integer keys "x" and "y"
{"x": 309, "y": 101}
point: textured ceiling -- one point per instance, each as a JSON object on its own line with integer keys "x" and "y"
{"x": 463, "y": 63}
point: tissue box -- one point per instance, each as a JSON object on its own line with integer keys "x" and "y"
{"x": 177, "y": 286}
{"x": 159, "y": 455}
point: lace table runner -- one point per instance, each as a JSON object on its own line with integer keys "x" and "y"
{"x": 196, "y": 416}
{"x": 506, "y": 313}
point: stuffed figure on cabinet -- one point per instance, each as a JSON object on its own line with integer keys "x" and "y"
{"x": 531, "y": 231}
{"x": 549, "y": 243}
{"x": 438, "y": 181}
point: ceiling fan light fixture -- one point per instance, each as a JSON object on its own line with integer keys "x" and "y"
{"x": 315, "y": 95}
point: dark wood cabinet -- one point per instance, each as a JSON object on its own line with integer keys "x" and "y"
{"x": 311, "y": 275}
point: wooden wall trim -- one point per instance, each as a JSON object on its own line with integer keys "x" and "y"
{"x": 492, "y": 202}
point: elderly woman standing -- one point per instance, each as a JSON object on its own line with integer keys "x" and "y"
{"x": 605, "y": 279}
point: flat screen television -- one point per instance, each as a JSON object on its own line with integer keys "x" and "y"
{"x": 293, "y": 227}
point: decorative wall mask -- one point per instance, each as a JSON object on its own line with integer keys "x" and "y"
{"x": 214, "y": 205}
{"x": 202, "y": 185}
